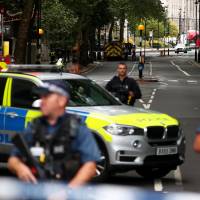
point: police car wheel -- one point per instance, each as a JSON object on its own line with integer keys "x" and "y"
{"x": 102, "y": 166}
{"x": 150, "y": 173}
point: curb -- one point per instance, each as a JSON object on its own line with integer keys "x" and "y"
{"x": 147, "y": 80}
{"x": 195, "y": 63}
{"x": 88, "y": 68}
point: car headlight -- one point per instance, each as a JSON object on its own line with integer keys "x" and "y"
{"x": 118, "y": 129}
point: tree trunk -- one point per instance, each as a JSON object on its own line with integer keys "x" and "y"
{"x": 84, "y": 59}
{"x": 92, "y": 45}
{"x": 121, "y": 36}
{"x": 110, "y": 31}
{"x": 22, "y": 36}
{"x": 98, "y": 38}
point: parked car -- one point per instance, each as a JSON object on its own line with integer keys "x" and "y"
{"x": 180, "y": 48}
{"x": 130, "y": 138}
{"x": 192, "y": 45}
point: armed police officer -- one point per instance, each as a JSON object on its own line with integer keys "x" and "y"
{"x": 67, "y": 149}
{"x": 123, "y": 87}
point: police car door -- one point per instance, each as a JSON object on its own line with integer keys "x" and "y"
{"x": 20, "y": 110}
{"x": 3, "y": 97}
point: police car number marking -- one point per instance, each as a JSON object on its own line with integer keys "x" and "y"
{"x": 166, "y": 151}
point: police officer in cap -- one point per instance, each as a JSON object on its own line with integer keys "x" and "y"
{"x": 68, "y": 147}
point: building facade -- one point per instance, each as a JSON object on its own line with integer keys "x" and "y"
{"x": 182, "y": 13}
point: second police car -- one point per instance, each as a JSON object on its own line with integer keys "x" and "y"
{"x": 130, "y": 138}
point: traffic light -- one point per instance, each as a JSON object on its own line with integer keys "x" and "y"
{"x": 40, "y": 31}
{"x": 37, "y": 32}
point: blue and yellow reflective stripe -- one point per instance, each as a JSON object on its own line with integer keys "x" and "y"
{"x": 24, "y": 76}
{"x": 94, "y": 122}
{"x": 7, "y": 93}
{"x": 30, "y": 115}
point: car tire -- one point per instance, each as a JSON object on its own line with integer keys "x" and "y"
{"x": 150, "y": 173}
{"x": 102, "y": 171}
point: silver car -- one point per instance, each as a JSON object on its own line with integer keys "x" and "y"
{"x": 130, "y": 138}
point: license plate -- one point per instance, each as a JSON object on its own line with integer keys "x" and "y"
{"x": 166, "y": 151}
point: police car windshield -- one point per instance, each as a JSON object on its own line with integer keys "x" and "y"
{"x": 85, "y": 92}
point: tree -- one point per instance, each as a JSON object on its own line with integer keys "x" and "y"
{"x": 75, "y": 21}
{"x": 58, "y": 23}
{"x": 134, "y": 10}
{"x": 22, "y": 36}
{"x": 91, "y": 15}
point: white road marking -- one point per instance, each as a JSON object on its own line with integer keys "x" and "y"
{"x": 141, "y": 101}
{"x": 172, "y": 80}
{"x": 192, "y": 81}
{"x": 178, "y": 176}
{"x": 179, "y": 68}
{"x": 152, "y": 97}
{"x": 150, "y": 101}
{"x": 151, "y": 69}
{"x": 158, "y": 186}
{"x": 148, "y": 105}
{"x": 132, "y": 69}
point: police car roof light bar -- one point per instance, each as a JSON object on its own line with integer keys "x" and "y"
{"x": 34, "y": 67}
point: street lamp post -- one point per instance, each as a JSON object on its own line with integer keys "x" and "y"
{"x": 168, "y": 37}
{"x": 164, "y": 35}
{"x": 145, "y": 37}
{"x": 141, "y": 28}
{"x": 2, "y": 29}
{"x": 38, "y": 59}
{"x": 158, "y": 35}
{"x": 180, "y": 25}
{"x": 196, "y": 3}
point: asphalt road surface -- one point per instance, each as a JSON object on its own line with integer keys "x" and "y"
{"x": 171, "y": 85}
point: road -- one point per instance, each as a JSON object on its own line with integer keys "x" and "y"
{"x": 171, "y": 85}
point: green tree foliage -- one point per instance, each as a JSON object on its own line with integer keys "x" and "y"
{"x": 58, "y": 22}
{"x": 91, "y": 15}
{"x": 67, "y": 22}
{"x": 134, "y": 11}
{"x": 164, "y": 27}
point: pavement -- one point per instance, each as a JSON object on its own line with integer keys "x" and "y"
{"x": 92, "y": 66}
{"x": 85, "y": 69}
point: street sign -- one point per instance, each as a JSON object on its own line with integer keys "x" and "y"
{"x": 151, "y": 33}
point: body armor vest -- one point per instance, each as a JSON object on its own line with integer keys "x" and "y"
{"x": 58, "y": 160}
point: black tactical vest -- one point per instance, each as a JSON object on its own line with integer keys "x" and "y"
{"x": 59, "y": 161}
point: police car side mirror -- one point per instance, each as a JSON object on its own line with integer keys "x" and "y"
{"x": 36, "y": 103}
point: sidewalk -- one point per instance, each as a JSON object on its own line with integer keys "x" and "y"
{"x": 195, "y": 63}
{"x": 89, "y": 67}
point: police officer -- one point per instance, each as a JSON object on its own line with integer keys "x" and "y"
{"x": 57, "y": 123}
{"x": 124, "y": 87}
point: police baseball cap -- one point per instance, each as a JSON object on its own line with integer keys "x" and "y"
{"x": 54, "y": 86}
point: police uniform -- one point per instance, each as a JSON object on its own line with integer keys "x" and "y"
{"x": 82, "y": 142}
{"x": 63, "y": 147}
{"x": 121, "y": 89}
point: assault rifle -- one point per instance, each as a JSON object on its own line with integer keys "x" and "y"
{"x": 20, "y": 143}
